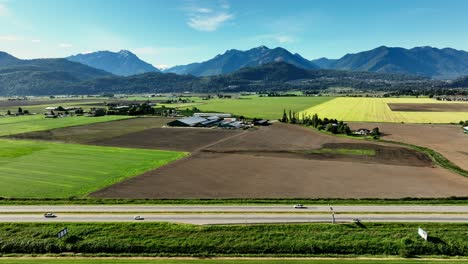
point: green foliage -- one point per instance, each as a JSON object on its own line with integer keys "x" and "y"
{"x": 330, "y": 125}
{"x": 265, "y": 240}
{"x": 104, "y": 260}
{"x": 53, "y": 170}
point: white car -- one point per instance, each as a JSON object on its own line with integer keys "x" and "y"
{"x": 49, "y": 215}
{"x": 299, "y": 206}
{"x": 138, "y": 218}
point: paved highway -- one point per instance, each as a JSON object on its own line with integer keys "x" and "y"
{"x": 235, "y": 218}
{"x": 234, "y": 208}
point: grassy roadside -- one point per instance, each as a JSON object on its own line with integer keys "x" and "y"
{"x": 257, "y": 202}
{"x": 274, "y": 240}
{"x": 222, "y": 261}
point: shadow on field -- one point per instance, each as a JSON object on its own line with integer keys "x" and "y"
{"x": 435, "y": 240}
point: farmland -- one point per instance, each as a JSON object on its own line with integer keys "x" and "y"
{"x": 449, "y": 140}
{"x": 279, "y": 162}
{"x": 378, "y": 110}
{"x": 96, "y": 133}
{"x": 40, "y": 169}
{"x": 261, "y": 107}
{"x": 23, "y": 124}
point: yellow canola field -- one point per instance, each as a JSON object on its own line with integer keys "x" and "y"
{"x": 362, "y": 109}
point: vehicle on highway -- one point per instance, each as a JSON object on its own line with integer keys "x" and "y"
{"x": 49, "y": 215}
{"x": 300, "y": 206}
{"x": 138, "y": 218}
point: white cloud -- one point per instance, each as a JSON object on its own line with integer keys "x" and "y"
{"x": 35, "y": 40}
{"x": 65, "y": 45}
{"x": 203, "y": 10}
{"x": 208, "y": 18}
{"x": 209, "y": 23}
{"x": 279, "y": 38}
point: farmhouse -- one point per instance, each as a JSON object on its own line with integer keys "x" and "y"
{"x": 362, "y": 131}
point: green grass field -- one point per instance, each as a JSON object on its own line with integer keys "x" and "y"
{"x": 23, "y": 124}
{"x": 220, "y": 261}
{"x": 275, "y": 240}
{"x": 376, "y": 110}
{"x": 54, "y": 170}
{"x": 261, "y": 107}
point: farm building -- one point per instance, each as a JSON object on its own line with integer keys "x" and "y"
{"x": 187, "y": 122}
{"x": 209, "y": 121}
{"x": 231, "y": 125}
{"x": 362, "y": 131}
{"x": 465, "y": 129}
{"x": 262, "y": 122}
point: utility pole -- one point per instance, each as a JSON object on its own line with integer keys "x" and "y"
{"x": 332, "y": 214}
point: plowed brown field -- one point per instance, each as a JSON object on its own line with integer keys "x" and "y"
{"x": 268, "y": 163}
{"x": 448, "y": 140}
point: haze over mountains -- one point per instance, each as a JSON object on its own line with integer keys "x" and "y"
{"x": 123, "y": 63}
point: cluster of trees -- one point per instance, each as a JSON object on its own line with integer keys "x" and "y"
{"x": 20, "y": 112}
{"x": 277, "y": 94}
{"x": 464, "y": 123}
{"x": 330, "y": 125}
{"x": 141, "y": 109}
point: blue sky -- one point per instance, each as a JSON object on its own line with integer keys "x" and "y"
{"x": 173, "y": 32}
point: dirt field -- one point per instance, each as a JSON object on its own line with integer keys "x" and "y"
{"x": 461, "y": 107}
{"x": 181, "y": 139}
{"x": 264, "y": 164}
{"x": 383, "y": 154}
{"x": 96, "y": 132}
{"x": 448, "y": 140}
{"x": 143, "y": 132}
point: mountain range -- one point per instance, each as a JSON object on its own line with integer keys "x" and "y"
{"x": 45, "y": 78}
{"x": 123, "y": 63}
{"x": 34, "y": 76}
{"x": 257, "y": 69}
{"x": 431, "y": 62}
{"x": 233, "y": 60}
